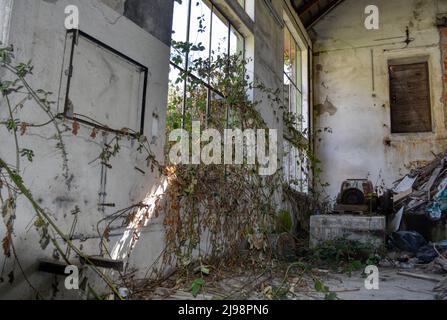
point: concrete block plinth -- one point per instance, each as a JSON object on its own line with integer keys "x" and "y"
{"x": 367, "y": 229}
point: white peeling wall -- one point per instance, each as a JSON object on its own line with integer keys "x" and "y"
{"x": 38, "y": 33}
{"x": 361, "y": 144}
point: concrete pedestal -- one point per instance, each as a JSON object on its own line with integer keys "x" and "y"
{"x": 368, "y": 229}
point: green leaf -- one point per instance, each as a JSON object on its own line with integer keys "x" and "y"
{"x": 29, "y": 154}
{"x": 331, "y": 296}
{"x": 196, "y": 286}
{"x": 319, "y": 287}
{"x": 204, "y": 270}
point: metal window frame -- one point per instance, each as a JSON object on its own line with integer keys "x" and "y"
{"x": 291, "y": 145}
{"x": 91, "y": 122}
{"x": 185, "y": 71}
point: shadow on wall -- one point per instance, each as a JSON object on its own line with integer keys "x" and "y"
{"x": 142, "y": 13}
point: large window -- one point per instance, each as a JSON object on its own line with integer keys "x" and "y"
{"x": 293, "y": 89}
{"x": 201, "y": 24}
{"x": 295, "y": 97}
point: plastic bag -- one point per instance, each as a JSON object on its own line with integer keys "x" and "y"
{"x": 427, "y": 254}
{"x": 439, "y": 205}
{"x": 410, "y": 241}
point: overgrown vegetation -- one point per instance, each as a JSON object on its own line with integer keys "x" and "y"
{"x": 22, "y": 99}
{"x": 345, "y": 255}
{"x": 209, "y": 211}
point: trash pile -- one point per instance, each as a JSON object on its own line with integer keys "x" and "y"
{"x": 424, "y": 190}
{"x": 414, "y": 244}
{"x": 414, "y": 251}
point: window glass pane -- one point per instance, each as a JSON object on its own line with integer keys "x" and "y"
{"x": 299, "y": 108}
{"x": 287, "y": 52}
{"x": 175, "y": 99}
{"x": 218, "y": 112}
{"x": 219, "y": 42}
{"x": 293, "y": 100}
{"x": 305, "y": 121}
{"x": 219, "y": 46}
{"x": 286, "y": 164}
{"x": 287, "y": 95}
{"x": 196, "y": 102}
{"x": 200, "y": 35}
{"x": 179, "y": 29}
{"x": 236, "y": 42}
{"x": 299, "y": 68}
{"x": 293, "y": 62}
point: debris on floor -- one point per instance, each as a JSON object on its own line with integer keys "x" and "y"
{"x": 320, "y": 284}
{"x": 424, "y": 190}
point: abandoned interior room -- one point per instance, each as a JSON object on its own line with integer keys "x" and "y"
{"x": 223, "y": 149}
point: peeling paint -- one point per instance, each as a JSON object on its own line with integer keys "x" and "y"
{"x": 327, "y": 106}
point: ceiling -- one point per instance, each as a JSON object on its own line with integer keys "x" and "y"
{"x": 311, "y": 11}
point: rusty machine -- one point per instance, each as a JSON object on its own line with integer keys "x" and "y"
{"x": 358, "y": 196}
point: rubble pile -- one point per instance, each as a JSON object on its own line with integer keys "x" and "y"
{"x": 424, "y": 190}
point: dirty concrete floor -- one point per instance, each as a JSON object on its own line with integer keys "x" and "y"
{"x": 392, "y": 286}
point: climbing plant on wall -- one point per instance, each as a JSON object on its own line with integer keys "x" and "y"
{"x": 209, "y": 211}
{"x": 20, "y": 98}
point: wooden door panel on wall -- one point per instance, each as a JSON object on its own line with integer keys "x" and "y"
{"x": 410, "y": 98}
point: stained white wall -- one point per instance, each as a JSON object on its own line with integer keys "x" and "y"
{"x": 361, "y": 144}
{"x": 37, "y": 33}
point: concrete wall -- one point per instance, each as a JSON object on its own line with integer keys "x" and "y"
{"x": 347, "y": 59}
{"x": 38, "y": 33}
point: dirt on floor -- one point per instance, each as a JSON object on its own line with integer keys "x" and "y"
{"x": 294, "y": 282}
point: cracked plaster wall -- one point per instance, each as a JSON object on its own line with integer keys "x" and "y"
{"x": 361, "y": 144}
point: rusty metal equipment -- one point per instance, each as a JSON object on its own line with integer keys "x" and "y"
{"x": 357, "y": 196}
